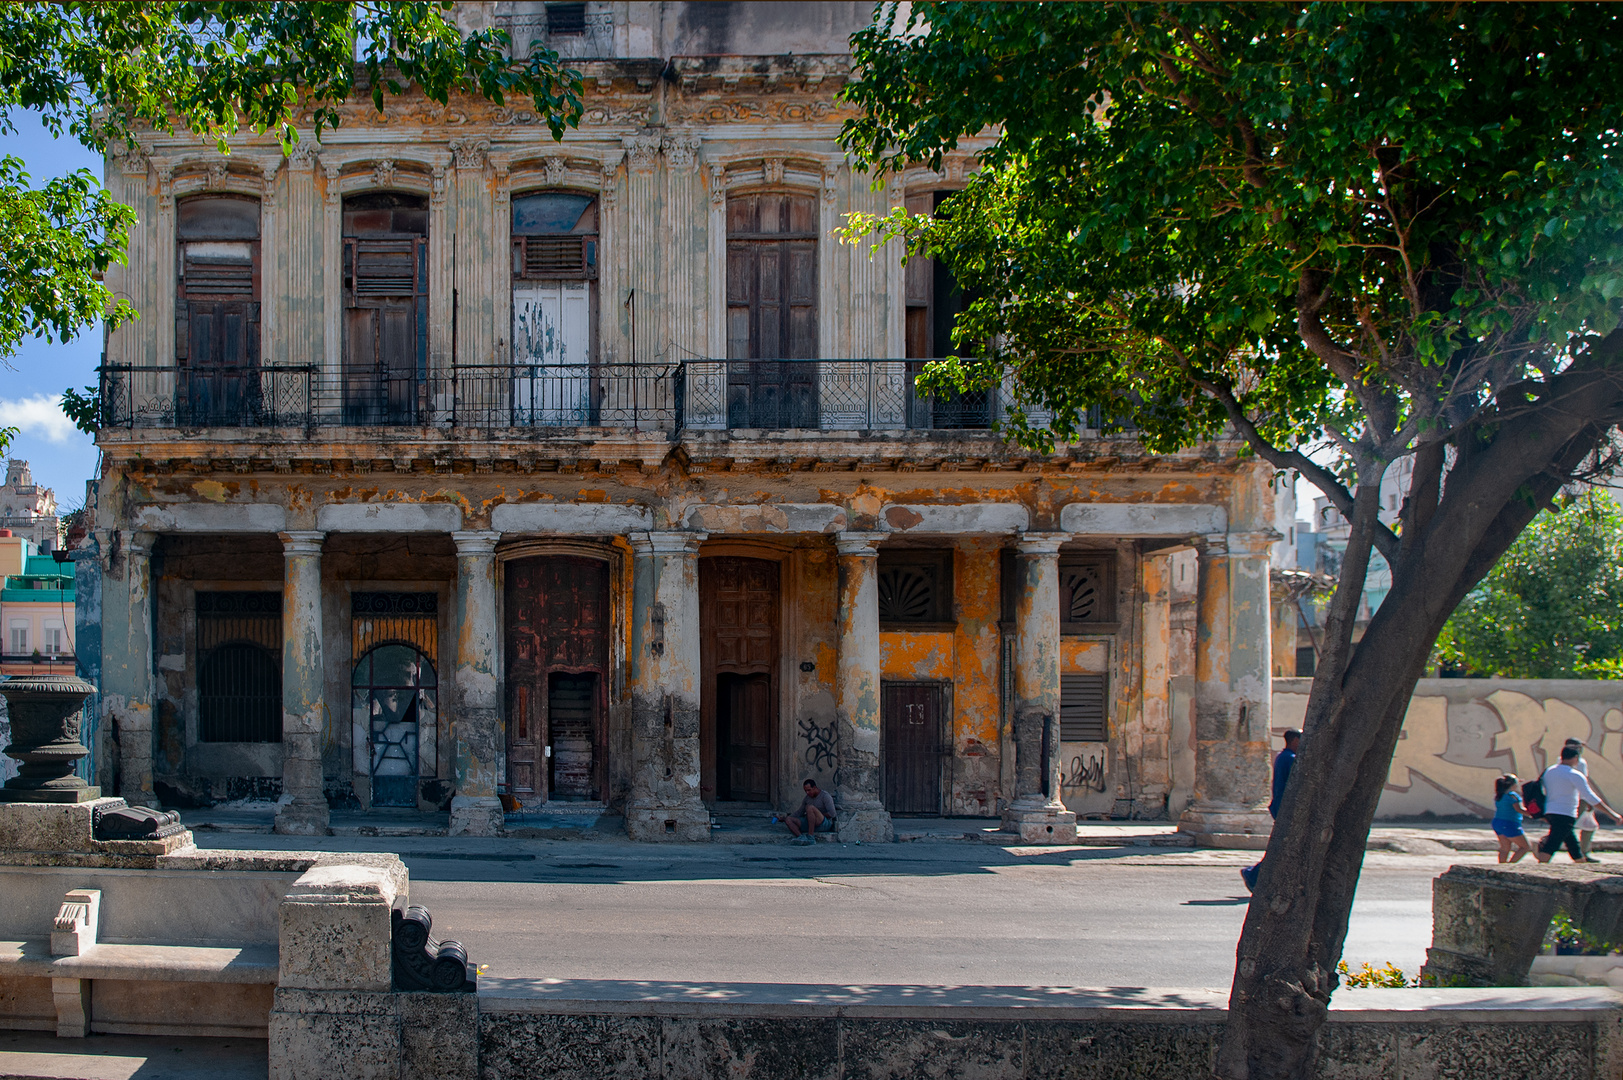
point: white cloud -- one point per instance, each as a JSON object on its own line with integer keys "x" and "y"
{"x": 38, "y": 415}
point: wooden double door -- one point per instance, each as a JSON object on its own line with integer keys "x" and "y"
{"x": 738, "y": 731}
{"x": 557, "y": 648}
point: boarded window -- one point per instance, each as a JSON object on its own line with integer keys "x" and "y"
{"x": 772, "y": 310}
{"x": 239, "y": 667}
{"x": 1082, "y": 708}
{"x": 385, "y": 307}
{"x": 1087, "y": 594}
{"x": 915, "y": 587}
{"x": 555, "y": 235}
{"x": 217, "y": 308}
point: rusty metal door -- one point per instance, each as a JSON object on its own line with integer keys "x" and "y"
{"x": 910, "y": 714}
{"x": 557, "y": 615}
{"x": 739, "y": 658}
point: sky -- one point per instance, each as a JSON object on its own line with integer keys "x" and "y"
{"x": 32, "y": 382}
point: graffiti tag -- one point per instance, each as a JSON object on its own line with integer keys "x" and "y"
{"x": 820, "y": 750}
{"x": 1088, "y": 774}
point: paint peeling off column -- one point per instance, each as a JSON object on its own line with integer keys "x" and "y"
{"x": 860, "y": 814}
{"x": 127, "y": 667}
{"x": 476, "y": 725}
{"x": 304, "y": 706}
{"x": 664, "y": 803}
{"x": 1232, "y": 691}
{"x": 1036, "y": 813}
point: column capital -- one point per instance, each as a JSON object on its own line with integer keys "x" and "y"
{"x": 1213, "y": 545}
{"x": 138, "y": 543}
{"x": 1253, "y": 545}
{"x": 859, "y": 544}
{"x": 655, "y": 542}
{"x": 1040, "y": 543}
{"x": 302, "y": 541}
{"x": 475, "y": 541}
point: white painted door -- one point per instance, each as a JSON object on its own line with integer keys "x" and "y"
{"x": 552, "y": 337}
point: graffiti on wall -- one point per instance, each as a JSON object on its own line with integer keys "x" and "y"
{"x": 1088, "y": 774}
{"x": 820, "y": 752}
{"x": 1461, "y": 734}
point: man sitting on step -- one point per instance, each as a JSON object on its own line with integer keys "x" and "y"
{"x": 816, "y": 814}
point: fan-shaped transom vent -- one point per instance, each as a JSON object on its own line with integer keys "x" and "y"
{"x": 1083, "y": 592}
{"x": 915, "y": 587}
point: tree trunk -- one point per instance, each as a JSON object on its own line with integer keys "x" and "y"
{"x": 1297, "y": 921}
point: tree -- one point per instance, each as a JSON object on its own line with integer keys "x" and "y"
{"x": 1393, "y": 229}
{"x": 1553, "y": 606}
{"x": 102, "y": 72}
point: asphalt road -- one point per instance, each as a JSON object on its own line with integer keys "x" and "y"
{"x": 920, "y": 913}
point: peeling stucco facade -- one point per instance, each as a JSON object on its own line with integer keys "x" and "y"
{"x": 799, "y": 522}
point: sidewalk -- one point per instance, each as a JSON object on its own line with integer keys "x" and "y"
{"x": 734, "y": 827}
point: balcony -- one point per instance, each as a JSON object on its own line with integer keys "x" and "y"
{"x": 520, "y": 399}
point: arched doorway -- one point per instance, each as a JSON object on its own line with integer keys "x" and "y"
{"x": 738, "y": 726}
{"x": 557, "y": 615}
{"x": 396, "y": 689}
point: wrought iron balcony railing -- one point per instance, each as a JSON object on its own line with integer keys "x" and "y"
{"x": 698, "y": 395}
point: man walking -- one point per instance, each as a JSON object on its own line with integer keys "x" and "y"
{"x": 1282, "y": 775}
{"x": 1564, "y": 787}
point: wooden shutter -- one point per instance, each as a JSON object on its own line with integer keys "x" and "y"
{"x": 918, "y": 274}
{"x": 1082, "y": 708}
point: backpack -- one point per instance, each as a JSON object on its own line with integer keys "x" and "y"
{"x": 1533, "y": 797}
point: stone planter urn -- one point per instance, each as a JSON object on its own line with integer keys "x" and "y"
{"x": 45, "y": 738}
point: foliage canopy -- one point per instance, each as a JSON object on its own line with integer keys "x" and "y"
{"x": 1553, "y": 606}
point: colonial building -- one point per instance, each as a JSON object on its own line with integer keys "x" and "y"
{"x": 36, "y": 609}
{"x": 28, "y": 510}
{"x": 454, "y": 466}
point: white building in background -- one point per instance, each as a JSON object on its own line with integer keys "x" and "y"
{"x": 29, "y": 510}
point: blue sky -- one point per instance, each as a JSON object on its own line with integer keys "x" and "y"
{"x": 61, "y": 457}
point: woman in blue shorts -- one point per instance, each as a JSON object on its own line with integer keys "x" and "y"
{"x": 1507, "y": 818}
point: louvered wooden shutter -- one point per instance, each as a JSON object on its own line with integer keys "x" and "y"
{"x": 384, "y": 268}
{"x": 561, "y": 256}
{"x": 1082, "y": 708}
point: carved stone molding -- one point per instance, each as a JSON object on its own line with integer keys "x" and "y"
{"x": 610, "y": 191}
{"x": 831, "y": 177}
{"x": 682, "y": 152}
{"x": 642, "y": 152}
{"x": 470, "y": 153}
{"x": 772, "y": 170}
{"x": 217, "y": 174}
{"x": 303, "y": 156}
{"x": 332, "y": 172}
{"x": 383, "y": 174}
{"x": 132, "y": 160}
{"x": 437, "y": 187}
{"x": 504, "y": 184}
{"x": 166, "y": 183}
{"x": 556, "y": 167}
{"x": 718, "y": 185}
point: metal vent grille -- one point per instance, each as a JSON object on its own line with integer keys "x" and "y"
{"x": 566, "y": 20}
{"x": 1084, "y": 591}
{"x": 555, "y": 256}
{"x": 213, "y": 278}
{"x": 1082, "y": 708}
{"x": 386, "y": 268}
{"x": 239, "y": 680}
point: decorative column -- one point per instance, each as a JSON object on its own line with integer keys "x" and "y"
{"x": 304, "y": 705}
{"x": 476, "y": 724}
{"x": 859, "y": 811}
{"x": 1233, "y": 778}
{"x": 127, "y": 661}
{"x": 1036, "y": 812}
{"x": 664, "y": 803}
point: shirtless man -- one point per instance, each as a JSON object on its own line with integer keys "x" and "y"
{"x": 816, "y": 814}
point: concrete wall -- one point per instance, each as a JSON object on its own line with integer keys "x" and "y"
{"x": 1461, "y": 734}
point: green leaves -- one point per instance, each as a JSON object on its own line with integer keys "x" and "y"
{"x": 55, "y": 242}
{"x": 1553, "y": 606}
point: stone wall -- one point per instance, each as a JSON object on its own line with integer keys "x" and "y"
{"x": 1460, "y": 734}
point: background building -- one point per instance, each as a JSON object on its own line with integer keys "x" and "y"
{"x": 454, "y": 466}
{"x": 36, "y": 610}
{"x": 28, "y": 510}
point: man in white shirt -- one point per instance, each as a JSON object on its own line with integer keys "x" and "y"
{"x": 1564, "y": 787}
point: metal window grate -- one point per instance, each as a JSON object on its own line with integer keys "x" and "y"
{"x": 1082, "y": 708}
{"x": 915, "y": 586}
{"x": 239, "y": 667}
{"x": 1084, "y": 591}
{"x": 566, "y": 20}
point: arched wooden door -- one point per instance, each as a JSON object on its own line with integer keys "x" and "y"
{"x": 557, "y": 614}
{"x": 738, "y": 731}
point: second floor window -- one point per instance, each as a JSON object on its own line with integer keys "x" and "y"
{"x": 555, "y": 243}
{"x": 385, "y": 307}
{"x": 216, "y": 307}
{"x": 772, "y": 310}
{"x": 934, "y": 302}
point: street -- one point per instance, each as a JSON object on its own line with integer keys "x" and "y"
{"x": 919, "y": 913}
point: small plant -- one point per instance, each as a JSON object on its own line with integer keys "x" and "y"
{"x": 1568, "y": 939}
{"x": 1389, "y": 975}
